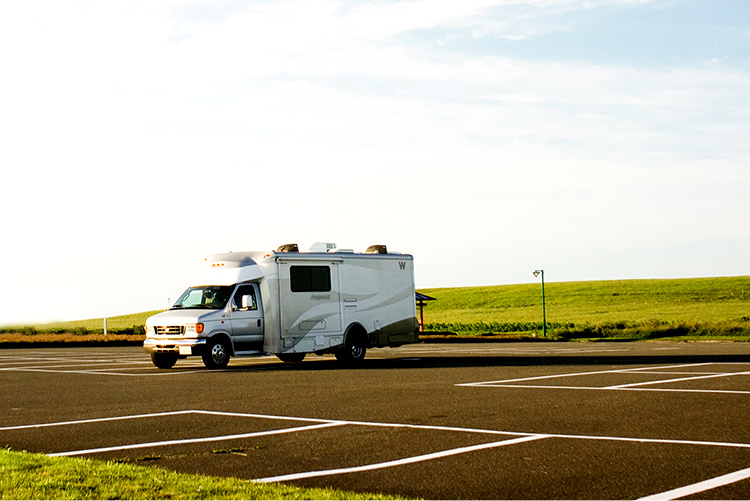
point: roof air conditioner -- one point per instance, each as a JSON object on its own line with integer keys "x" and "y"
{"x": 323, "y": 247}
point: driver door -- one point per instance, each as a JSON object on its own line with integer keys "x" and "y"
{"x": 247, "y": 320}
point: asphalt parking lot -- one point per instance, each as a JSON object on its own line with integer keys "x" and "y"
{"x": 656, "y": 420}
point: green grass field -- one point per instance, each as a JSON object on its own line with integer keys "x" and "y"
{"x": 702, "y": 307}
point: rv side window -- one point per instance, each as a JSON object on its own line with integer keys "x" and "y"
{"x": 310, "y": 278}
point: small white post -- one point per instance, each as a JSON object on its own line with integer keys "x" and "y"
{"x": 105, "y": 326}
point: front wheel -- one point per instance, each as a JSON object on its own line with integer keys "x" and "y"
{"x": 164, "y": 360}
{"x": 217, "y": 356}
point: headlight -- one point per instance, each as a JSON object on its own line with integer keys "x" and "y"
{"x": 193, "y": 328}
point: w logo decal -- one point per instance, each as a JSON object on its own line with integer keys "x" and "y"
{"x": 402, "y": 265}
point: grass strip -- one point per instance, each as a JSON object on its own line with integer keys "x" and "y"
{"x": 26, "y": 475}
{"x": 622, "y": 330}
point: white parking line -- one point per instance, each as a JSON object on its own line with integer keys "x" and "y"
{"x": 196, "y": 440}
{"x": 674, "y": 373}
{"x": 638, "y": 386}
{"x": 573, "y": 374}
{"x": 332, "y": 422}
{"x": 706, "y": 485}
{"x": 399, "y": 462}
{"x": 169, "y": 413}
{"x": 602, "y": 388}
{"x": 663, "y": 381}
{"x": 100, "y": 372}
{"x": 116, "y": 366}
{"x": 316, "y": 423}
{"x": 109, "y": 365}
{"x": 323, "y": 423}
{"x": 95, "y": 420}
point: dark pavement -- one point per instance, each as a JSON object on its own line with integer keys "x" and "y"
{"x": 443, "y": 421}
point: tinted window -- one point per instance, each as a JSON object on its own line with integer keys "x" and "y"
{"x": 310, "y": 278}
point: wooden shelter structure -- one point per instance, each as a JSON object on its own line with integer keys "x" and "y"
{"x": 421, "y": 298}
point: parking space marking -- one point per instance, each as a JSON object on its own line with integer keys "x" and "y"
{"x": 197, "y": 440}
{"x": 706, "y": 485}
{"x": 400, "y": 462}
{"x": 94, "y": 420}
{"x": 54, "y": 362}
{"x": 637, "y": 386}
{"x": 517, "y": 437}
{"x": 663, "y": 381}
{"x": 338, "y": 422}
{"x": 62, "y": 367}
{"x": 128, "y": 366}
{"x": 573, "y": 374}
{"x": 102, "y": 373}
{"x": 665, "y": 390}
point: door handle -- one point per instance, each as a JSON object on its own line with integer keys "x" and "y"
{"x": 259, "y": 321}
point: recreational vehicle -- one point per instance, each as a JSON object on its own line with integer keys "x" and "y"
{"x": 289, "y": 303}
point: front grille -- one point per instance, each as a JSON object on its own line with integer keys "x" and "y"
{"x": 170, "y": 330}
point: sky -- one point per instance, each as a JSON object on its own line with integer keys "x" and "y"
{"x": 594, "y": 139}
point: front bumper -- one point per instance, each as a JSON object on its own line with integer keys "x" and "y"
{"x": 177, "y": 346}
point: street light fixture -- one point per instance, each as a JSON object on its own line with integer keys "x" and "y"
{"x": 544, "y": 306}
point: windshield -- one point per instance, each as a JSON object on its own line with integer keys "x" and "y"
{"x": 212, "y": 297}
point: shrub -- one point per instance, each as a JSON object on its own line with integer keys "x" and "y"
{"x": 492, "y": 327}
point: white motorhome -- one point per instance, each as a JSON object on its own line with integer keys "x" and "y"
{"x": 289, "y": 303}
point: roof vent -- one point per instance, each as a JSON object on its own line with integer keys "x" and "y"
{"x": 377, "y": 249}
{"x": 288, "y": 248}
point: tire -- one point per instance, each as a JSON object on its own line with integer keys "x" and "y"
{"x": 354, "y": 349}
{"x": 291, "y": 358}
{"x": 164, "y": 360}
{"x": 217, "y": 354}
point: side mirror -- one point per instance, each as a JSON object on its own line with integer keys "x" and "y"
{"x": 248, "y": 303}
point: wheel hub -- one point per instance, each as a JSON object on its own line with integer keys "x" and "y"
{"x": 218, "y": 353}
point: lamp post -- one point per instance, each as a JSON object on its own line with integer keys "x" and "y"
{"x": 544, "y": 306}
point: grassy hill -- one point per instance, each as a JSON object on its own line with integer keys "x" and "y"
{"x": 640, "y": 309}
{"x": 708, "y": 307}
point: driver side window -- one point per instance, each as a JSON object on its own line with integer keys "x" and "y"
{"x": 245, "y": 290}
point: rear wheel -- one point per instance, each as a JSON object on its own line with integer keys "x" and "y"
{"x": 217, "y": 355}
{"x": 291, "y": 358}
{"x": 353, "y": 350}
{"x": 164, "y": 360}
